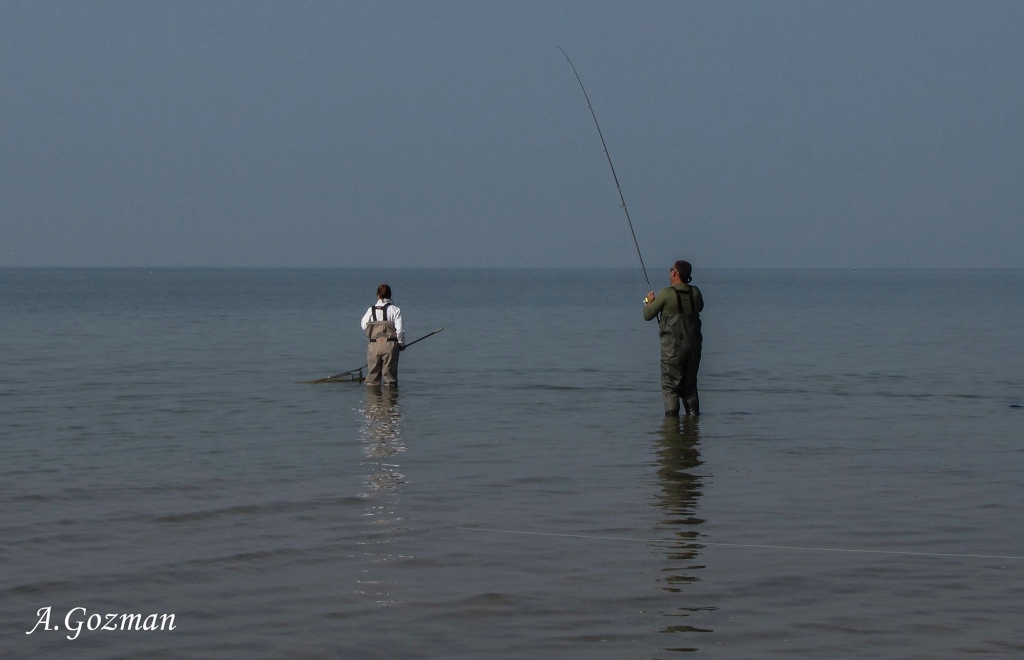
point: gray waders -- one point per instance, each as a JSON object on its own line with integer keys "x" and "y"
{"x": 382, "y": 354}
{"x": 681, "y": 341}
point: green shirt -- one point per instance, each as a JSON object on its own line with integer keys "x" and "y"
{"x": 665, "y": 302}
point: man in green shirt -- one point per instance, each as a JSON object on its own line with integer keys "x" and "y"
{"x": 678, "y": 309}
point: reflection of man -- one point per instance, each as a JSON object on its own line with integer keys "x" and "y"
{"x": 382, "y": 323}
{"x": 678, "y": 456}
{"x": 678, "y": 309}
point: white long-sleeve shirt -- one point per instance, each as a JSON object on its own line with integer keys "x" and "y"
{"x": 394, "y": 314}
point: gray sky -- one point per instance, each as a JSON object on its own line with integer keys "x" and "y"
{"x": 791, "y": 134}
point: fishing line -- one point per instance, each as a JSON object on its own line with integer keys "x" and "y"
{"x": 749, "y": 545}
{"x": 614, "y": 175}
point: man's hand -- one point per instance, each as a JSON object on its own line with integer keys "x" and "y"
{"x": 401, "y": 347}
{"x": 649, "y": 298}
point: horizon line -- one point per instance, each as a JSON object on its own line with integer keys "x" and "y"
{"x": 702, "y": 268}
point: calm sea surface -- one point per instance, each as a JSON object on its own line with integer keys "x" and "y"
{"x": 855, "y": 487}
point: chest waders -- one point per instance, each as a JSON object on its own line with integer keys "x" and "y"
{"x": 680, "y": 338}
{"x": 382, "y": 354}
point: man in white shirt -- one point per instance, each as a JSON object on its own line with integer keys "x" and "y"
{"x": 383, "y": 326}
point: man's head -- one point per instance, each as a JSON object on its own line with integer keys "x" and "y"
{"x": 383, "y": 291}
{"x": 680, "y": 273}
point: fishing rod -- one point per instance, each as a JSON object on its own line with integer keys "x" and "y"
{"x": 357, "y": 374}
{"x": 614, "y": 176}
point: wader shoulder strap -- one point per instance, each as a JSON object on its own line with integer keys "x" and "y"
{"x": 679, "y": 301}
{"x": 383, "y": 312}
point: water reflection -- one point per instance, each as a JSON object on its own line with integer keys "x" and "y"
{"x": 382, "y": 445}
{"x": 382, "y": 439}
{"x": 678, "y": 459}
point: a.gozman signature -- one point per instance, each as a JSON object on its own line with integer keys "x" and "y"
{"x": 78, "y": 618}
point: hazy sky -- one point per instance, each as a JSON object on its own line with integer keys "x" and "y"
{"x": 791, "y": 134}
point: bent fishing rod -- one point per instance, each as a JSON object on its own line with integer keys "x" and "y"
{"x": 614, "y": 176}
{"x": 352, "y": 372}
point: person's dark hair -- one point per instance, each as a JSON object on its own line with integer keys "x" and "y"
{"x": 383, "y": 291}
{"x": 684, "y": 269}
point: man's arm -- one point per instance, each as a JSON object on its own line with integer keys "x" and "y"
{"x": 366, "y": 320}
{"x": 653, "y": 308}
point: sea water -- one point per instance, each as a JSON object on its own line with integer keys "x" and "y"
{"x": 854, "y": 487}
